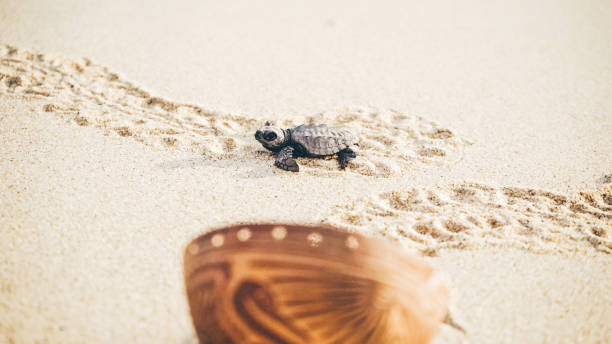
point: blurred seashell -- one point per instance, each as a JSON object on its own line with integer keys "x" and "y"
{"x": 298, "y": 284}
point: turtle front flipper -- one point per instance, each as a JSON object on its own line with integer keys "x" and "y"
{"x": 284, "y": 160}
{"x": 344, "y": 156}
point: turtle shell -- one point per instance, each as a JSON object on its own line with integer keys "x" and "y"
{"x": 322, "y": 140}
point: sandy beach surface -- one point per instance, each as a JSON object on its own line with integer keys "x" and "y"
{"x": 126, "y": 129}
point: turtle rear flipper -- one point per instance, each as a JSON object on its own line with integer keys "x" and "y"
{"x": 285, "y": 161}
{"x": 344, "y": 156}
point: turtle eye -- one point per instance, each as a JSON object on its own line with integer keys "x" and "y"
{"x": 270, "y": 136}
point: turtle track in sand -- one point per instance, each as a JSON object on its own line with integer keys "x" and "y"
{"x": 472, "y": 215}
{"x": 86, "y": 93}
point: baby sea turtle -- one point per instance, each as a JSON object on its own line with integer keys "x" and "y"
{"x": 310, "y": 140}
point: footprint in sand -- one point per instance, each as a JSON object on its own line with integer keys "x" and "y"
{"x": 89, "y": 94}
{"x": 474, "y": 215}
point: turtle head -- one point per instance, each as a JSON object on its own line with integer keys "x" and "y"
{"x": 271, "y": 137}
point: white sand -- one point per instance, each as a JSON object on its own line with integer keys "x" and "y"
{"x": 497, "y": 148}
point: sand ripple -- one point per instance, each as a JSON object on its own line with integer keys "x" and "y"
{"x": 473, "y": 215}
{"x": 89, "y": 94}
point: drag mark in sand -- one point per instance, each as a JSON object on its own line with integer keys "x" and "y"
{"x": 89, "y": 94}
{"x": 473, "y": 215}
